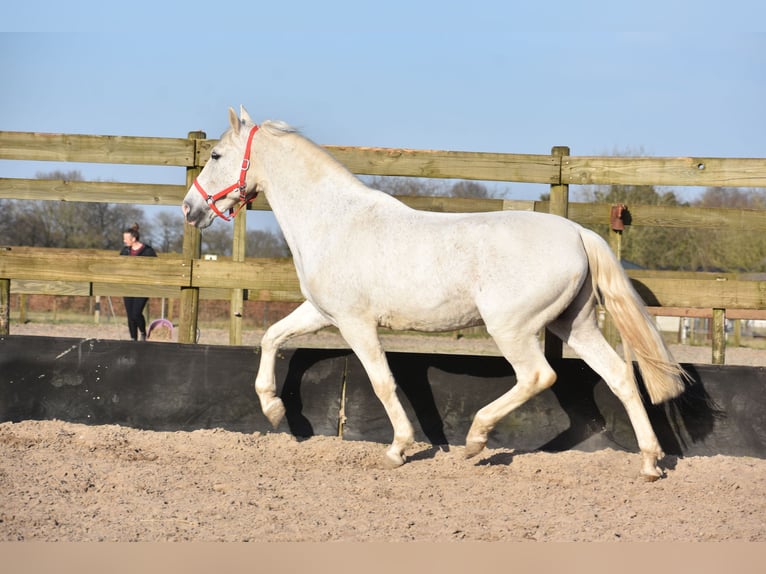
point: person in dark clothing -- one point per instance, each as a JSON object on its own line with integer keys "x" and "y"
{"x": 134, "y": 306}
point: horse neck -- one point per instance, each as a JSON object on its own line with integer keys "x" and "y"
{"x": 307, "y": 189}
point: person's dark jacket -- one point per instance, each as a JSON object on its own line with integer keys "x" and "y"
{"x": 146, "y": 251}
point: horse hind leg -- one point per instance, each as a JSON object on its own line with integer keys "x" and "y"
{"x": 533, "y": 375}
{"x": 303, "y": 320}
{"x": 583, "y": 335}
{"x": 363, "y": 340}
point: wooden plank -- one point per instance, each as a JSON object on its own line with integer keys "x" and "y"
{"x": 264, "y": 277}
{"x": 753, "y": 314}
{"x": 447, "y": 204}
{"x": 696, "y": 171}
{"x": 95, "y": 268}
{"x": 92, "y": 191}
{"x": 704, "y": 293}
{"x": 123, "y": 290}
{"x": 698, "y": 217}
{"x": 662, "y": 274}
{"x": 528, "y": 168}
{"x": 85, "y": 289}
{"x": 65, "y": 252}
{"x": 583, "y": 213}
{"x": 32, "y": 287}
{"x": 156, "y": 291}
{"x": 96, "y": 149}
{"x": 691, "y": 313}
{"x": 255, "y": 275}
{"x": 524, "y": 168}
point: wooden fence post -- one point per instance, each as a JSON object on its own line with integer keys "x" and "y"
{"x": 559, "y": 205}
{"x": 237, "y": 306}
{"x": 189, "y": 300}
{"x": 5, "y": 307}
{"x": 718, "y": 336}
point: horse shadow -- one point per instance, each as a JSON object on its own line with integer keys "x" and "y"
{"x": 318, "y": 374}
{"x": 678, "y": 423}
{"x": 443, "y": 392}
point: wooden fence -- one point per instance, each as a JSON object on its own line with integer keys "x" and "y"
{"x": 89, "y": 272}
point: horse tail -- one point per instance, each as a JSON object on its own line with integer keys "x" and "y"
{"x": 663, "y": 377}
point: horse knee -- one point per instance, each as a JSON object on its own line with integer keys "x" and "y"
{"x": 269, "y": 342}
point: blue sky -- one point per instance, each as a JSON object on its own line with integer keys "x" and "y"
{"x": 662, "y": 78}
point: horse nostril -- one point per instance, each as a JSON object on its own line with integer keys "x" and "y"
{"x": 185, "y": 208}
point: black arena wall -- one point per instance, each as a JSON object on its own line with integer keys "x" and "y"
{"x": 172, "y": 387}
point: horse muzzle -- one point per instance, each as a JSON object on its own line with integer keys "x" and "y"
{"x": 195, "y": 217}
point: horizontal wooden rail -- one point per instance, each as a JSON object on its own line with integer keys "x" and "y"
{"x": 97, "y": 149}
{"x": 87, "y": 289}
{"x": 583, "y": 213}
{"x": 166, "y": 271}
{"x": 702, "y": 293}
{"x": 695, "y": 313}
{"x": 664, "y": 171}
{"x": 92, "y": 191}
{"x": 524, "y": 168}
{"x": 275, "y": 279}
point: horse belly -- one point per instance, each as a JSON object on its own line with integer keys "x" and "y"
{"x": 429, "y": 313}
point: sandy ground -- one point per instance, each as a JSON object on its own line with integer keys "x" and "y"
{"x": 69, "y": 482}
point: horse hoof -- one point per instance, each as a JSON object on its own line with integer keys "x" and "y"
{"x": 275, "y": 412}
{"x": 651, "y": 476}
{"x": 651, "y": 472}
{"x": 472, "y": 448}
{"x": 392, "y": 461}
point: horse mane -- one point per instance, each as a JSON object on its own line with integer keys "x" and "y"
{"x": 278, "y": 127}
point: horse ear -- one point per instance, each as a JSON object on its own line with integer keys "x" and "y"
{"x": 244, "y": 116}
{"x": 233, "y": 120}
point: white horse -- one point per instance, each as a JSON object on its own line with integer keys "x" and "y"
{"x": 366, "y": 260}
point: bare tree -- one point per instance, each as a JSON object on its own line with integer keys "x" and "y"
{"x": 217, "y": 240}
{"x": 416, "y": 186}
{"x": 732, "y": 249}
{"x": 66, "y": 224}
{"x": 266, "y": 244}
{"x": 168, "y": 232}
{"x": 686, "y": 249}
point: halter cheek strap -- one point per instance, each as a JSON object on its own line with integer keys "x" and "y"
{"x": 239, "y": 185}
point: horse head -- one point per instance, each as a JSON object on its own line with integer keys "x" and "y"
{"x": 213, "y": 194}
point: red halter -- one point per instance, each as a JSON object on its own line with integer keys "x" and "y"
{"x": 240, "y": 185}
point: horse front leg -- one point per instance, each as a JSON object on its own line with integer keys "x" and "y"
{"x": 363, "y": 339}
{"x": 303, "y": 320}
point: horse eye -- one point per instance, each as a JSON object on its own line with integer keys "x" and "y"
{"x": 215, "y": 155}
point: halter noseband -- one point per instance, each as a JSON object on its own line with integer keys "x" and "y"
{"x": 240, "y": 185}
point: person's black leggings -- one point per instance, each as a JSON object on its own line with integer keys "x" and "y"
{"x": 134, "y": 307}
